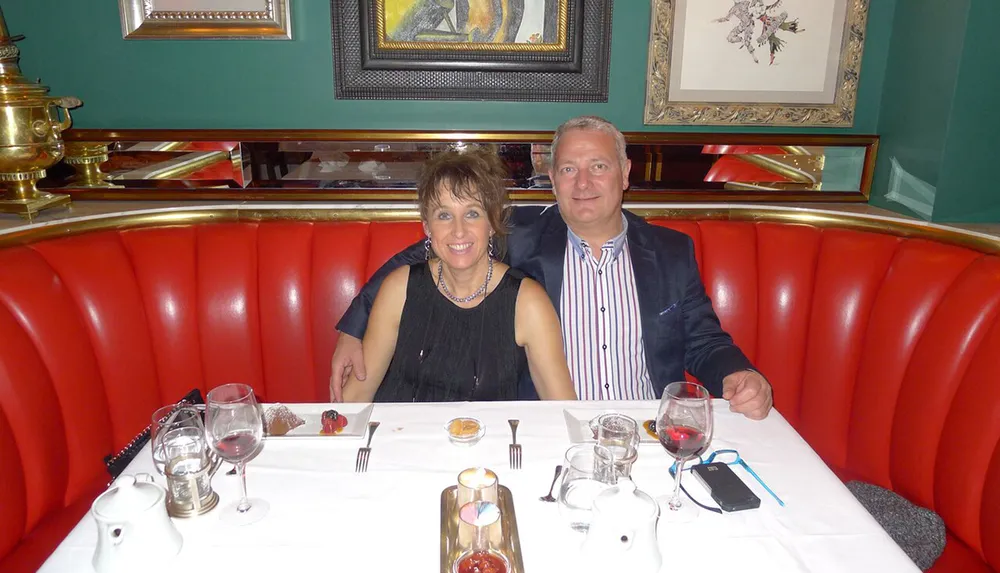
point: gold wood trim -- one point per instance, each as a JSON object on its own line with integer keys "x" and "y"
{"x": 292, "y": 194}
{"x": 868, "y": 174}
{"x": 805, "y": 216}
{"x": 307, "y": 135}
{"x": 632, "y": 137}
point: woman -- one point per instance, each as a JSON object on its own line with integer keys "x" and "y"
{"x": 463, "y": 325}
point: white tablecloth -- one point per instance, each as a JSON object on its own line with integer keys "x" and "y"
{"x": 323, "y": 514}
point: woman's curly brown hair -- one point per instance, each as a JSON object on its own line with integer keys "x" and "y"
{"x": 473, "y": 175}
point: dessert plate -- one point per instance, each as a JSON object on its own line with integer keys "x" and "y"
{"x": 357, "y": 420}
{"x": 578, "y": 424}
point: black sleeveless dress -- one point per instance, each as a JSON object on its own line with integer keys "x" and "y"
{"x": 447, "y": 353}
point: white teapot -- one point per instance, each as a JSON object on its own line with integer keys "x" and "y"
{"x": 134, "y": 531}
{"x": 622, "y": 534}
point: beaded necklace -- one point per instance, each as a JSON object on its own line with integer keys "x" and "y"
{"x": 471, "y": 297}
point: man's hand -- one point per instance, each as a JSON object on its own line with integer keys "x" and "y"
{"x": 748, "y": 394}
{"x": 347, "y": 357}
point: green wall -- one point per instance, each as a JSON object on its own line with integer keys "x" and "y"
{"x": 76, "y": 48}
{"x": 968, "y": 173}
{"x": 914, "y": 118}
{"x": 939, "y": 121}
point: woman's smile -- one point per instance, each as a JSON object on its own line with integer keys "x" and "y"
{"x": 460, "y": 248}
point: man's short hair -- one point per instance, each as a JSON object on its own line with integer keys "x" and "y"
{"x": 590, "y": 123}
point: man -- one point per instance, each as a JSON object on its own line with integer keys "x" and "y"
{"x": 632, "y": 307}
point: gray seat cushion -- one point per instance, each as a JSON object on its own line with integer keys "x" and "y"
{"x": 917, "y": 530}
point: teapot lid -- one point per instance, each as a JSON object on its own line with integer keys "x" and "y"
{"x": 127, "y": 498}
{"x": 625, "y": 501}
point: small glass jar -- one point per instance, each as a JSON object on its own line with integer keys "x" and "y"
{"x": 482, "y": 518}
{"x": 465, "y": 431}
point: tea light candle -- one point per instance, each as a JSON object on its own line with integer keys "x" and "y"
{"x": 477, "y": 478}
{"x": 477, "y": 484}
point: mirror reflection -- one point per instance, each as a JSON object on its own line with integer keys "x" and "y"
{"x": 395, "y": 165}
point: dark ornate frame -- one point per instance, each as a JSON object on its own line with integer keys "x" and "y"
{"x": 365, "y": 68}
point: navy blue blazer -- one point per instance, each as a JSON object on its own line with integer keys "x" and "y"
{"x": 680, "y": 330}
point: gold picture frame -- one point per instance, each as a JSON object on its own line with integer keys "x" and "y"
{"x": 713, "y": 94}
{"x": 206, "y": 19}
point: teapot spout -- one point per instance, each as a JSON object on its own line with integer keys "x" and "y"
{"x": 66, "y": 103}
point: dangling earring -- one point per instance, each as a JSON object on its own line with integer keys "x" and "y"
{"x": 492, "y": 251}
{"x": 427, "y": 249}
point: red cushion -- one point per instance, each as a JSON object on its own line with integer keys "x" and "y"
{"x": 882, "y": 351}
{"x": 36, "y": 547}
{"x": 958, "y": 558}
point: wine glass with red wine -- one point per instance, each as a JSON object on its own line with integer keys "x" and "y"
{"x": 235, "y": 430}
{"x": 684, "y": 426}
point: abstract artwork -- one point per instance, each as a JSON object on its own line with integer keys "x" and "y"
{"x": 754, "y": 62}
{"x": 466, "y": 22}
{"x": 521, "y": 50}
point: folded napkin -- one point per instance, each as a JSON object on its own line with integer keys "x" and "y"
{"x": 917, "y": 530}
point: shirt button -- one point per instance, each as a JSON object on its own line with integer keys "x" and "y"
{"x": 607, "y": 386}
{"x": 600, "y": 272}
{"x": 602, "y": 309}
{"x": 604, "y": 346}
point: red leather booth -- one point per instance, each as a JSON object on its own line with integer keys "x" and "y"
{"x": 881, "y": 340}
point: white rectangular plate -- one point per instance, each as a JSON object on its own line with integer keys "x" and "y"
{"x": 578, "y": 423}
{"x": 357, "y": 420}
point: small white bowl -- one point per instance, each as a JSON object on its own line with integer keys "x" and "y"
{"x": 465, "y": 440}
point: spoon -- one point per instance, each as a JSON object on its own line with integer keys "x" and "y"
{"x": 548, "y": 497}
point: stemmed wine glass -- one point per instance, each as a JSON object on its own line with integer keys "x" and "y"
{"x": 235, "y": 430}
{"x": 684, "y": 426}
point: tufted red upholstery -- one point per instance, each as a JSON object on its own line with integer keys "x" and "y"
{"x": 884, "y": 352}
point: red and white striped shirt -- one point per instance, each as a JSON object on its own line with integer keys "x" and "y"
{"x": 601, "y": 326}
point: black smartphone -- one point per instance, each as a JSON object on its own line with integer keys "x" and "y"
{"x": 727, "y": 489}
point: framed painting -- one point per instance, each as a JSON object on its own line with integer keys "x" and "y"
{"x": 754, "y": 62}
{"x": 206, "y": 19}
{"x": 521, "y": 50}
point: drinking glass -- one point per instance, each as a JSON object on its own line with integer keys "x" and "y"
{"x": 684, "y": 427}
{"x": 587, "y": 471}
{"x": 173, "y": 425}
{"x": 181, "y": 453}
{"x": 482, "y": 520}
{"x": 620, "y": 434}
{"x": 235, "y": 431}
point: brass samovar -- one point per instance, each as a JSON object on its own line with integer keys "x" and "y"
{"x": 30, "y": 129}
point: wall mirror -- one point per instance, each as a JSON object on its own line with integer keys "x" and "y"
{"x": 384, "y": 165}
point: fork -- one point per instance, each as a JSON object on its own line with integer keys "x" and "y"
{"x": 515, "y": 448}
{"x": 361, "y": 465}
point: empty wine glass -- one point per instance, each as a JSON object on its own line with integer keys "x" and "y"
{"x": 235, "y": 430}
{"x": 684, "y": 427}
